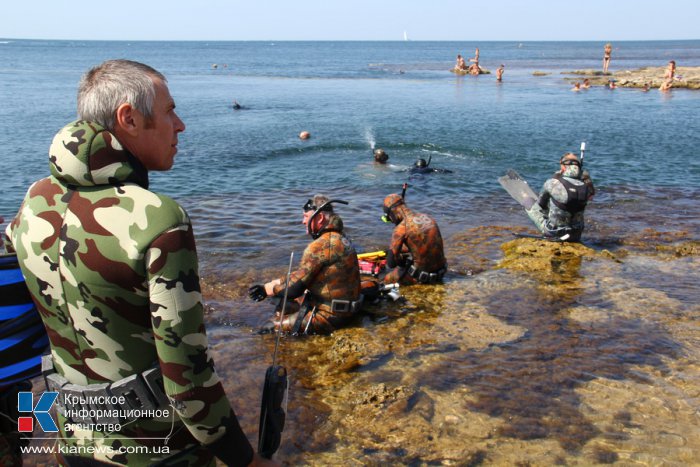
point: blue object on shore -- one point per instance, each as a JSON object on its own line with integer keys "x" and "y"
{"x": 23, "y": 338}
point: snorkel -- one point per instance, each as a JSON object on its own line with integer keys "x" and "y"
{"x": 324, "y": 207}
{"x": 583, "y": 149}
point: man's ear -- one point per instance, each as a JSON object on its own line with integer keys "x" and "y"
{"x": 126, "y": 119}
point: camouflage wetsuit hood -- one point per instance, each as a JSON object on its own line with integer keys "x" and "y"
{"x": 419, "y": 235}
{"x": 112, "y": 268}
{"x": 551, "y": 214}
{"x": 329, "y": 271}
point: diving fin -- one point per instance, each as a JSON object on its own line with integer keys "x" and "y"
{"x": 518, "y": 188}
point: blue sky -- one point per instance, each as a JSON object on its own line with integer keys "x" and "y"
{"x": 521, "y": 20}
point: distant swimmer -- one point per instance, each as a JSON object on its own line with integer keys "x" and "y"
{"x": 380, "y": 156}
{"x": 612, "y": 84}
{"x": 499, "y": 73}
{"x": 586, "y": 83}
{"x": 236, "y": 105}
{"x": 423, "y": 167}
{"x": 304, "y": 135}
{"x": 577, "y": 86}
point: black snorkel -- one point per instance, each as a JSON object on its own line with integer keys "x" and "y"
{"x": 308, "y": 206}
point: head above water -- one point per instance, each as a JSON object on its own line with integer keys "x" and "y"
{"x": 421, "y": 163}
{"x": 380, "y": 156}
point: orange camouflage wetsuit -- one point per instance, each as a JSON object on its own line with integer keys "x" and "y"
{"x": 419, "y": 235}
{"x": 326, "y": 284}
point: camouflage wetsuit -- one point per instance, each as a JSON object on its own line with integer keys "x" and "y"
{"x": 112, "y": 268}
{"x": 419, "y": 235}
{"x": 328, "y": 271}
{"x": 561, "y": 203}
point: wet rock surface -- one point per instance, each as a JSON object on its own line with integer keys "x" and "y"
{"x": 687, "y": 77}
{"x": 530, "y": 353}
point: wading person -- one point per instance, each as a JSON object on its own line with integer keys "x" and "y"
{"x": 112, "y": 268}
{"x": 499, "y": 73}
{"x": 324, "y": 292}
{"x": 416, "y": 250}
{"x": 558, "y": 211}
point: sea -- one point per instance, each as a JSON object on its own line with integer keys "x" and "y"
{"x": 589, "y": 359}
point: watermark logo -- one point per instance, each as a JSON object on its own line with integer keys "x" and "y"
{"x": 25, "y": 403}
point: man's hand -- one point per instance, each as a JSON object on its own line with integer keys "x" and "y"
{"x": 257, "y": 293}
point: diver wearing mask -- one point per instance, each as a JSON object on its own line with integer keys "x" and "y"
{"x": 422, "y": 167}
{"x": 324, "y": 291}
{"x": 416, "y": 251}
{"x": 559, "y": 209}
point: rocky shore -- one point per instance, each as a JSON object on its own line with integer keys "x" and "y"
{"x": 686, "y": 77}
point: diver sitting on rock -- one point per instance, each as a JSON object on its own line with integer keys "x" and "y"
{"x": 326, "y": 286}
{"x": 416, "y": 249}
{"x": 422, "y": 166}
{"x": 558, "y": 211}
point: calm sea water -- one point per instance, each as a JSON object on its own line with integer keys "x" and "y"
{"x": 352, "y": 96}
{"x": 244, "y": 175}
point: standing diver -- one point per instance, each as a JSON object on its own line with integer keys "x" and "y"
{"x": 326, "y": 286}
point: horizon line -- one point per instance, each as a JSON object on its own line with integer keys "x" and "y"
{"x": 344, "y": 40}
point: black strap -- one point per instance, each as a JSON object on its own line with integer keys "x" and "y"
{"x": 575, "y": 203}
{"x": 304, "y": 310}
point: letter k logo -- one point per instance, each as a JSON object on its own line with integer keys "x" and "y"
{"x": 25, "y": 403}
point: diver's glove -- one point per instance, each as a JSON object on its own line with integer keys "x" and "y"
{"x": 257, "y": 293}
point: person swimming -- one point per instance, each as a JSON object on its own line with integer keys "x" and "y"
{"x": 380, "y": 156}
{"x": 421, "y": 166}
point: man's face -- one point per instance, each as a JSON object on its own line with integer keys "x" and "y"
{"x": 156, "y": 144}
{"x": 318, "y": 220}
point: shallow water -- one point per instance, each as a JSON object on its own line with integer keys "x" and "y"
{"x": 583, "y": 360}
{"x": 577, "y": 358}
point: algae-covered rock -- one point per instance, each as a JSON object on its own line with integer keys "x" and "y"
{"x": 532, "y": 255}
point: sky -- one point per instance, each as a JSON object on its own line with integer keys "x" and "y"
{"x": 440, "y": 20}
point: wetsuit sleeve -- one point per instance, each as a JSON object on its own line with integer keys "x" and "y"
{"x": 315, "y": 257}
{"x": 545, "y": 195}
{"x": 189, "y": 378}
{"x": 586, "y": 178}
{"x": 398, "y": 238}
